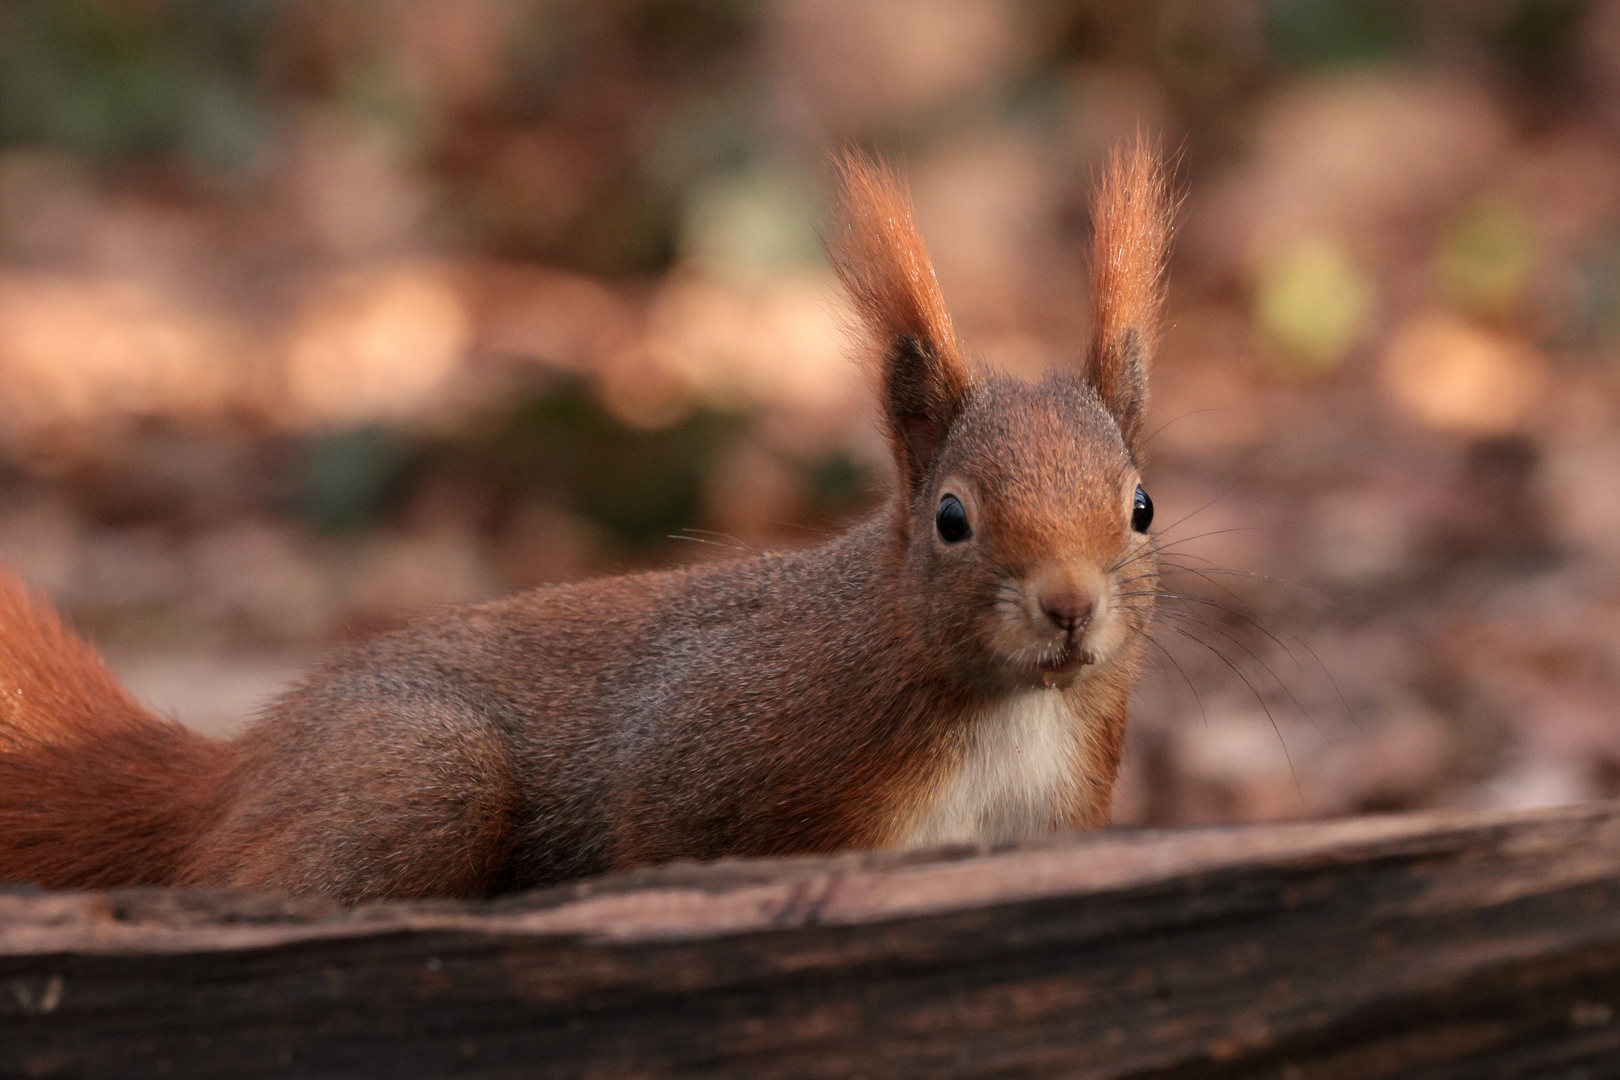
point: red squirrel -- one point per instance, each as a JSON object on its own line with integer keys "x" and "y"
{"x": 955, "y": 668}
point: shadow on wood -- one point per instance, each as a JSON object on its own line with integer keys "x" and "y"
{"x": 1454, "y": 945}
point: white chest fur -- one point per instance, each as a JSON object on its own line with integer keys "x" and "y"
{"x": 1012, "y": 781}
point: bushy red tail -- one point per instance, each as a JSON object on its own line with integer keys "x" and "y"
{"x": 95, "y": 791}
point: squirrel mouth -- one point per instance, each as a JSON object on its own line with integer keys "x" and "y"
{"x": 1066, "y": 666}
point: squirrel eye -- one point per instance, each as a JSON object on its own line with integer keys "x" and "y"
{"x": 1141, "y": 511}
{"x": 951, "y": 520}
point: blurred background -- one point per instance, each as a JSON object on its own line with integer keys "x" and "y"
{"x": 317, "y": 312}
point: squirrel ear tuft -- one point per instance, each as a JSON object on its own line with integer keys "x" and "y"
{"x": 1132, "y": 217}
{"x": 880, "y": 258}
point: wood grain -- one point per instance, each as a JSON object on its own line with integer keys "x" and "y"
{"x": 1443, "y": 945}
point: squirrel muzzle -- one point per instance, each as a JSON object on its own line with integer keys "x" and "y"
{"x": 1061, "y": 623}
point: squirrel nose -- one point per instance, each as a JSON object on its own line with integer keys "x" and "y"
{"x": 1070, "y": 610}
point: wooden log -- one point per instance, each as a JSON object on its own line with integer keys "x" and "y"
{"x": 1438, "y": 945}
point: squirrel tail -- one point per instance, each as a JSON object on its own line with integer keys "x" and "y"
{"x": 95, "y": 791}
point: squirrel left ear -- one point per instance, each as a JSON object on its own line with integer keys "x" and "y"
{"x": 1132, "y": 216}
{"x": 880, "y": 258}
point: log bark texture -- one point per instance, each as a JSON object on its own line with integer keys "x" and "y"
{"x": 1439, "y": 945}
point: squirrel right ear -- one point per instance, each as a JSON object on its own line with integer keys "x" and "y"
{"x": 1131, "y": 216}
{"x": 880, "y": 258}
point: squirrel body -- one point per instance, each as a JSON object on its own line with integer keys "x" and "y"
{"x": 953, "y": 669}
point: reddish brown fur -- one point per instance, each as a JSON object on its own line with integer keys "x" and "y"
{"x": 809, "y": 701}
{"x": 94, "y": 790}
{"x": 884, "y": 266}
{"x": 882, "y": 261}
{"x": 1132, "y": 218}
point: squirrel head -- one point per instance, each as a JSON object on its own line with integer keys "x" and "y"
{"x": 1022, "y": 547}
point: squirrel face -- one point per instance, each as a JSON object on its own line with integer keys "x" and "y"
{"x": 1028, "y": 524}
{"x": 1025, "y": 555}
